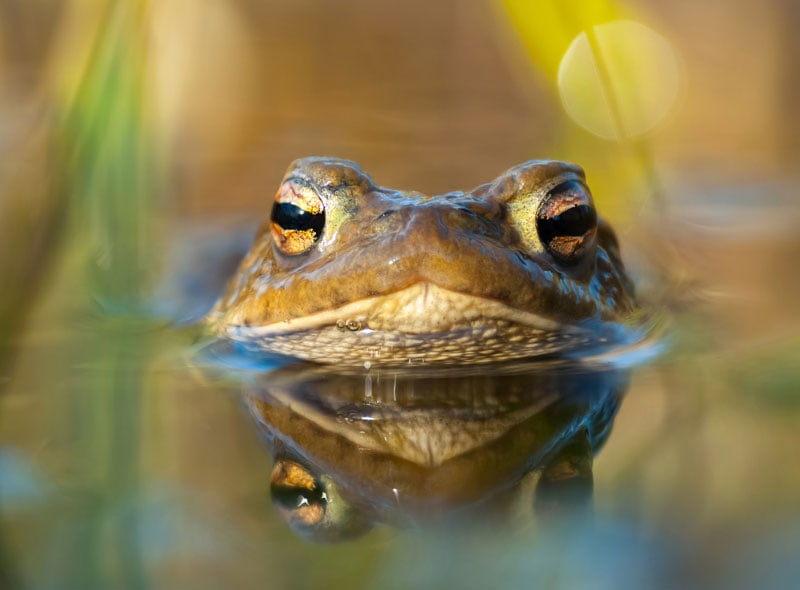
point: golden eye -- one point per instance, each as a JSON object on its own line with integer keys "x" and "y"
{"x": 313, "y": 505}
{"x": 567, "y": 221}
{"x": 298, "y": 493}
{"x": 298, "y": 217}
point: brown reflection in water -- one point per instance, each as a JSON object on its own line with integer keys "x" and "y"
{"x": 353, "y": 451}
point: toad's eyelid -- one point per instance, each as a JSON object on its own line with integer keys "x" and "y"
{"x": 559, "y": 185}
{"x": 301, "y": 181}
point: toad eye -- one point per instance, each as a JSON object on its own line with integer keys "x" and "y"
{"x": 313, "y": 505}
{"x": 298, "y": 494}
{"x": 567, "y": 221}
{"x": 298, "y": 217}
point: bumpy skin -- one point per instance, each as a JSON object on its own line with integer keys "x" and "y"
{"x": 399, "y": 277}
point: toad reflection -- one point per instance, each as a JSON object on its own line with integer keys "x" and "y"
{"x": 352, "y": 451}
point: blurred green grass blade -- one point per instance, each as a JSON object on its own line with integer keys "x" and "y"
{"x": 112, "y": 165}
{"x": 113, "y": 179}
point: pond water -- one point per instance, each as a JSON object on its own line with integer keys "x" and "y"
{"x": 135, "y": 455}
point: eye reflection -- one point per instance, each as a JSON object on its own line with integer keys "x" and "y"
{"x": 313, "y": 506}
{"x": 295, "y": 491}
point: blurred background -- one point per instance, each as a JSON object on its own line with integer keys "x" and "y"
{"x": 135, "y": 137}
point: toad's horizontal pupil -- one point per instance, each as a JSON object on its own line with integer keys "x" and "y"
{"x": 575, "y": 221}
{"x": 288, "y": 496}
{"x": 291, "y": 217}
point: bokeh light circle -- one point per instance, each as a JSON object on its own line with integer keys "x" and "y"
{"x": 619, "y": 80}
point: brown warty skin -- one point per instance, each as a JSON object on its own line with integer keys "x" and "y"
{"x": 349, "y": 273}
